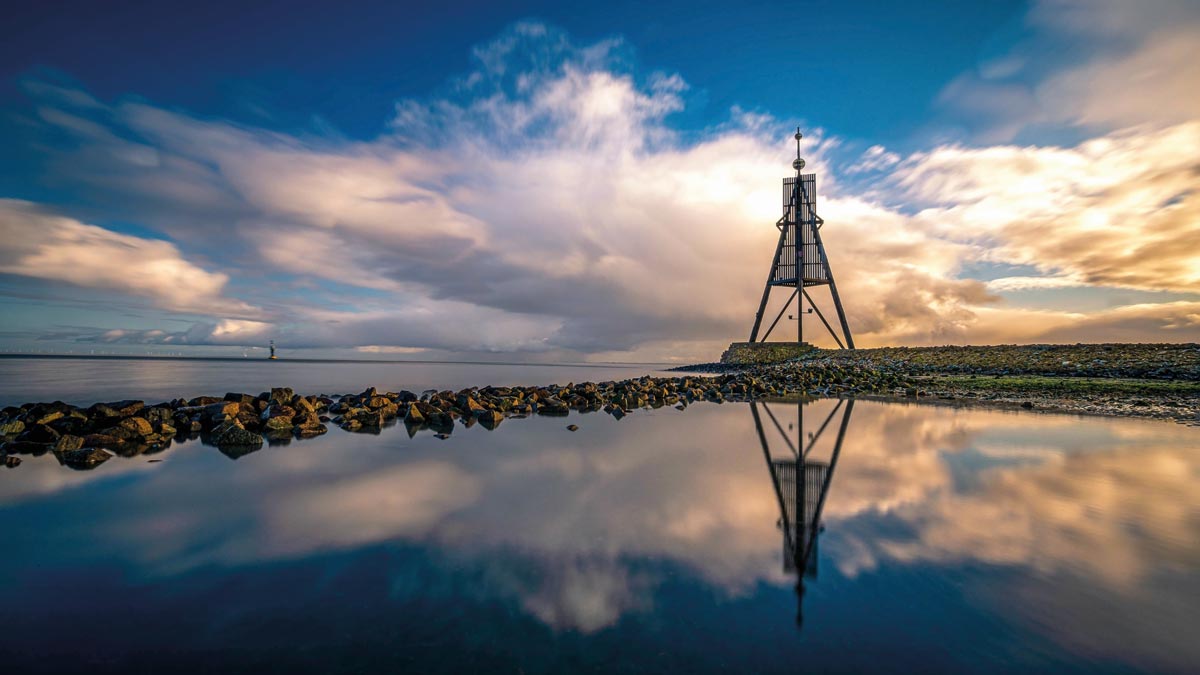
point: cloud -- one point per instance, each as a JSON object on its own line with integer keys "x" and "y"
{"x": 543, "y": 202}
{"x": 875, "y": 158}
{"x": 1099, "y": 65}
{"x": 45, "y": 246}
{"x": 1119, "y": 210}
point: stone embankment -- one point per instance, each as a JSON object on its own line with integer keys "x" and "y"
{"x": 1143, "y": 361}
{"x": 1138, "y": 380}
{"x": 82, "y": 438}
{"x": 758, "y": 353}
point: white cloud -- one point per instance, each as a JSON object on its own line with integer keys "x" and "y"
{"x": 1102, "y": 65}
{"x": 45, "y": 246}
{"x": 874, "y": 158}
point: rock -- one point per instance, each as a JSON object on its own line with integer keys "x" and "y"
{"x": 12, "y": 428}
{"x": 158, "y": 415}
{"x": 490, "y": 419}
{"x": 84, "y": 458}
{"x": 11, "y": 462}
{"x": 309, "y": 431}
{"x": 281, "y": 396}
{"x": 276, "y": 410}
{"x": 468, "y": 404}
{"x": 39, "y": 433}
{"x": 414, "y": 416}
{"x": 281, "y": 423}
{"x": 117, "y": 408}
{"x": 102, "y": 440}
{"x": 572, "y": 427}
{"x": 305, "y": 407}
{"x": 376, "y": 402}
{"x": 441, "y": 436}
{"x": 374, "y": 420}
{"x": 221, "y": 410}
{"x": 229, "y": 435}
{"x": 136, "y": 427}
{"x": 67, "y": 443}
{"x": 553, "y": 406}
{"x": 50, "y": 417}
{"x": 1028, "y": 405}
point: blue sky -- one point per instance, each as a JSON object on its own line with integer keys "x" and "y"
{"x": 589, "y": 181}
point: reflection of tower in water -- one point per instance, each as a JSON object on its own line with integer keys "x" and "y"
{"x": 801, "y": 485}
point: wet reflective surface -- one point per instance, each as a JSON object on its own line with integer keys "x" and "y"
{"x": 84, "y": 381}
{"x": 928, "y": 539}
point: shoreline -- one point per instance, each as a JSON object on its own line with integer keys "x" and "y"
{"x": 238, "y": 423}
{"x": 1152, "y": 381}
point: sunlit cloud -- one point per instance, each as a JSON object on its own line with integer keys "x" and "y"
{"x": 45, "y": 246}
{"x": 544, "y": 203}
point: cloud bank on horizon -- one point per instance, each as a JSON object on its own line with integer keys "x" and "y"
{"x": 543, "y": 203}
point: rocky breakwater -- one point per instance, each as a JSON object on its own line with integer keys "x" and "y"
{"x": 83, "y": 438}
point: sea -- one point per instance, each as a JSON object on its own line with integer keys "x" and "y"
{"x": 839, "y": 535}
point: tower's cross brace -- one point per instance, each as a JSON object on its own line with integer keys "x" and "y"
{"x": 800, "y": 260}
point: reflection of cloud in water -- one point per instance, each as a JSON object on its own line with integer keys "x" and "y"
{"x": 1113, "y": 515}
{"x": 401, "y": 501}
{"x": 558, "y": 522}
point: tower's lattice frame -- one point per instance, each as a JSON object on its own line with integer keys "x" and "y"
{"x": 800, "y": 260}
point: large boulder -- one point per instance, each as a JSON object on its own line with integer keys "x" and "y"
{"x": 281, "y": 395}
{"x": 12, "y": 428}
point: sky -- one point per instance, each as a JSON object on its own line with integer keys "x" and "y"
{"x": 591, "y": 181}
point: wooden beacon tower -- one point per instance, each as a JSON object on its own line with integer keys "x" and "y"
{"x": 800, "y": 260}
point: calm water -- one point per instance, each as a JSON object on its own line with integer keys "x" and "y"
{"x": 949, "y": 540}
{"x": 86, "y": 381}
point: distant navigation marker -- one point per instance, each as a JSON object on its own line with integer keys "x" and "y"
{"x": 272, "y": 356}
{"x": 800, "y": 261}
